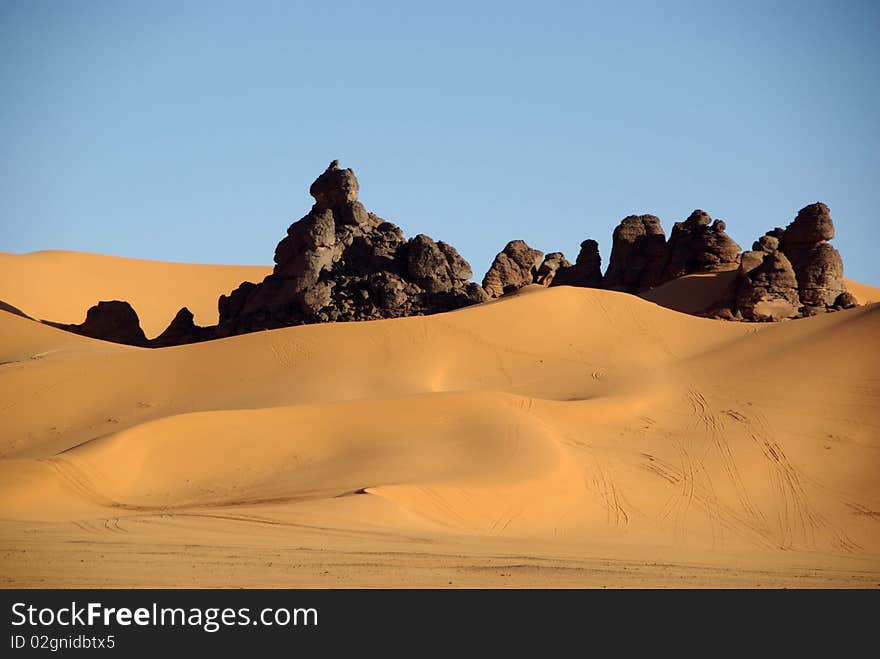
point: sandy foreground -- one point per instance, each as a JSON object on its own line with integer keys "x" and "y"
{"x": 562, "y": 437}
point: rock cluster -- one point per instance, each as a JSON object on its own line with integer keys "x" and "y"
{"x": 343, "y": 263}
{"x": 793, "y": 271}
{"x": 638, "y": 254}
{"x": 788, "y": 272}
{"x": 699, "y": 245}
{"x": 338, "y": 263}
{"x": 519, "y": 265}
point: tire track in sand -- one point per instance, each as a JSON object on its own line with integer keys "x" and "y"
{"x": 798, "y": 518}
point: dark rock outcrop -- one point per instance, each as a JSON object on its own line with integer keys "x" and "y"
{"x": 182, "y": 330}
{"x": 514, "y": 267}
{"x": 638, "y": 253}
{"x": 587, "y": 270}
{"x": 343, "y": 263}
{"x": 817, "y": 264}
{"x": 112, "y": 320}
{"x": 699, "y": 245}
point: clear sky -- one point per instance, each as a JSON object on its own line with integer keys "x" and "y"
{"x": 191, "y": 131}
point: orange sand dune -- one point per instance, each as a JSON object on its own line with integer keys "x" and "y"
{"x": 864, "y": 294}
{"x": 560, "y": 437}
{"x": 61, "y": 286}
{"x": 692, "y": 293}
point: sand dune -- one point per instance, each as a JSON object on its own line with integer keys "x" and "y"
{"x": 61, "y": 285}
{"x": 864, "y": 294}
{"x": 568, "y": 437}
{"x": 692, "y": 294}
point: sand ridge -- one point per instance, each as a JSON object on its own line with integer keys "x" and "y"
{"x": 60, "y": 286}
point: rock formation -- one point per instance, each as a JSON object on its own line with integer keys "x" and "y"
{"x": 111, "y": 320}
{"x": 182, "y": 330}
{"x": 587, "y": 270}
{"x": 817, "y": 264}
{"x": 514, "y": 267}
{"x": 342, "y": 263}
{"x": 769, "y": 242}
{"x": 552, "y": 263}
{"x": 766, "y": 288}
{"x": 792, "y": 272}
{"x": 699, "y": 245}
{"x": 638, "y": 253}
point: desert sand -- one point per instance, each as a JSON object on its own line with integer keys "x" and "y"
{"x": 61, "y": 285}
{"x": 563, "y": 437}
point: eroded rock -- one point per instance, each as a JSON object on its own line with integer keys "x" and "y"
{"x": 638, "y": 253}
{"x": 768, "y": 291}
{"x": 343, "y": 263}
{"x": 552, "y": 263}
{"x": 587, "y": 270}
{"x": 699, "y": 245}
{"x": 110, "y": 320}
{"x": 514, "y": 267}
{"x": 817, "y": 264}
{"x": 182, "y": 329}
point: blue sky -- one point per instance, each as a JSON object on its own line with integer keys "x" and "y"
{"x": 191, "y": 131}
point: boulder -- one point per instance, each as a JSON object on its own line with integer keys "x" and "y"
{"x": 514, "y": 267}
{"x": 846, "y": 300}
{"x": 812, "y": 225}
{"x": 766, "y": 243}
